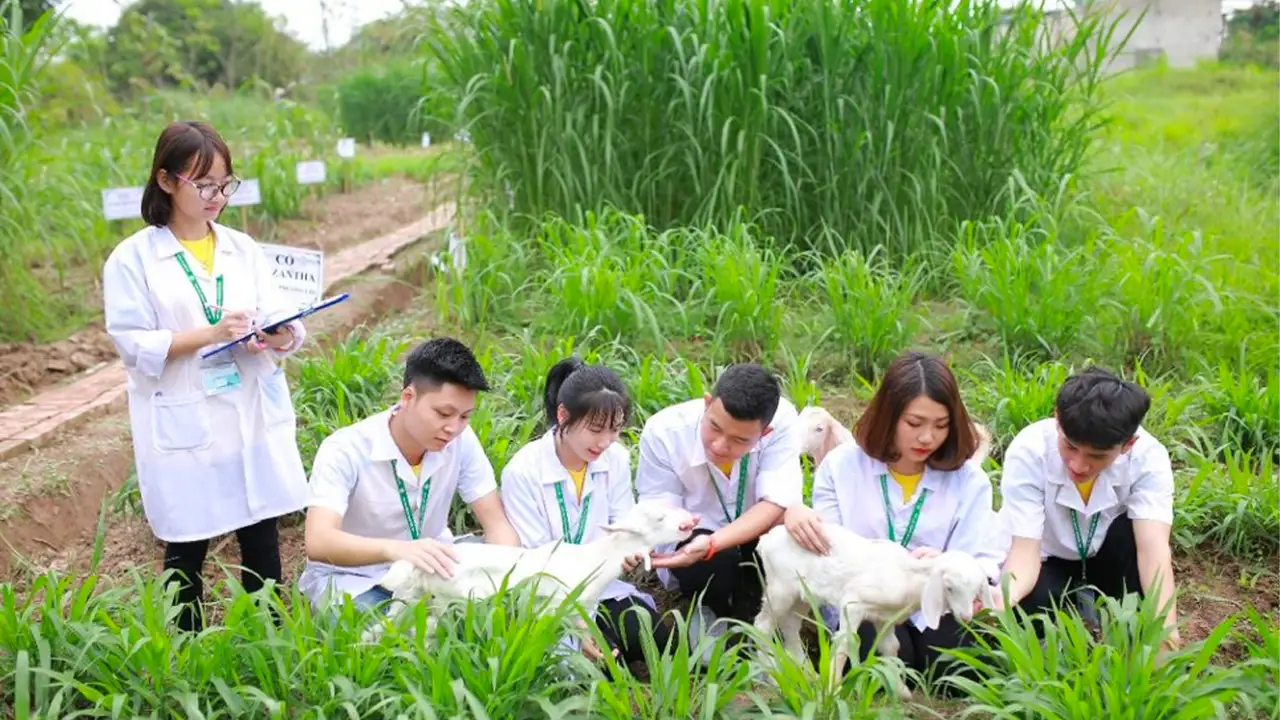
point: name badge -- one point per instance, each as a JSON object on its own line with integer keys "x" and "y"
{"x": 221, "y": 379}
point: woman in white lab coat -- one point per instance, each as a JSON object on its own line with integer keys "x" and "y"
{"x": 908, "y": 478}
{"x": 213, "y": 435}
{"x": 576, "y": 478}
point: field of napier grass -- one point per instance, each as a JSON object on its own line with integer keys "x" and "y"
{"x": 671, "y": 186}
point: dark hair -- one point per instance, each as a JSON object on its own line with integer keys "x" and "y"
{"x": 178, "y": 144}
{"x": 748, "y": 392}
{"x": 588, "y": 392}
{"x": 443, "y": 360}
{"x": 909, "y": 376}
{"x": 1098, "y": 409}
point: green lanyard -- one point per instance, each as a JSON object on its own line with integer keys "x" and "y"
{"x": 213, "y": 316}
{"x": 742, "y": 491}
{"x": 888, "y": 512}
{"x": 415, "y": 527}
{"x": 575, "y": 539}
{"x": 1083, "y": 545}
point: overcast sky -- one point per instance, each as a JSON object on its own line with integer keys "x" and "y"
{"x": 303, "y": 17}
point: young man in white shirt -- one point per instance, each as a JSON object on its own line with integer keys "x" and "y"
{"x": 381, "y": 489}
{"x": 1088, "y": 500}
{"x": 733, "y": 459}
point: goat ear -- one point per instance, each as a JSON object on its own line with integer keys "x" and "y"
{"x": 933, "y": 599}
{"x": 830, "y": 439}
{"x": 615, "y": 528}
{"x": 988, "y": 596}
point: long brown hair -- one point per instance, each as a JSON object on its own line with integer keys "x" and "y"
{"x": 178, "y": 144}
{"x": 909, "y": 376}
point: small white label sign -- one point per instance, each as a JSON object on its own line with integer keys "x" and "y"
{"x": 298, "y": 273}
{"x": 249, "y": 193}
{"x": 426, "y": 140}
{"x": 347, "y": 148}
{"x": 122, "y": 203}
{"x": 311, "y": 172}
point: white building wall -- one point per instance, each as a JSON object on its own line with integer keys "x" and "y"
{"x": 1184, "y": 31}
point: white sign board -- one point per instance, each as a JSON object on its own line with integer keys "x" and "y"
{"x": 310, "y": 172}
{"x": 298, "y": 273}
{"x": 426, "y": 140}
{"x": 249, "y": 193}
{"x": 122, "y": 203}
{"x": 347, "y": 148}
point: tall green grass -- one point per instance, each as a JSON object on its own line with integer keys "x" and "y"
{"x": 80, "y": 647}
{"x": 870, "y": 123}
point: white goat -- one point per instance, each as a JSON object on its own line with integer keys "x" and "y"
{"x": 557, "y": 567}
{"x": 820, "y": 433}
{"x": 866, "y": 580}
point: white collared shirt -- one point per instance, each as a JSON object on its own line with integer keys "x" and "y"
{"x": 673, "y": 465}
{"x": 207, "y": 464}
{"x": 955, "y": 515}
{"x": 1039, "y": 495}
{"x": 529, "y": 483}
{"x": 352, "y": 476}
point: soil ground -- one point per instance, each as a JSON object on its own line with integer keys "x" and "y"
{"x": 330, "y": 224}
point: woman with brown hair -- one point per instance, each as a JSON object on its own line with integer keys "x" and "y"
{"x": 213, "y": 433}
{"x": 912, "y": 476}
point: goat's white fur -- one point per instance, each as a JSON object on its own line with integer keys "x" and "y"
{"x": 556, "y": 567}
{"x": 866, "y": 580}
{"x": 821, "y": 433}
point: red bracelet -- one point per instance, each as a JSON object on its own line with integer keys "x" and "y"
{"x": 711, "y": 551}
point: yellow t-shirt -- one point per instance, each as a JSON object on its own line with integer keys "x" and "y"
{"x": 579, "y": 479}
{"x": 417, "y": 471}
{"x": 1086, "y": 489}
{"x": 908, "y": 483}
{"x": 725, "y": 469}
{"x": 202, "y": 249}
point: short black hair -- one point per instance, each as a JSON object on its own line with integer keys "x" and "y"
{"x": 748, "y": 392}
{"x": 1097, "y": 408}
{"x": 591, "y": 393}
{"x": 443, "y": 360}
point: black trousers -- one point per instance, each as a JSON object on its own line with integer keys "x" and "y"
{"x": 731, "y": 581}
{"x": 259, "y": 555}
{"x": 1113, "y": 571}
{"x": 619, "y": 621}
{"x": 920, "y": 650}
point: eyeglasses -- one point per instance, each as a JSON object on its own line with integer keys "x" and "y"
{"x": 208, "y": 190}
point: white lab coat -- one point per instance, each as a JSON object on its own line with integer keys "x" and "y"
{"x": 529, "y": 483}
{"x": 1039, "y": 495}
{"x": 956, "y": 515}
{"x": 207, "y": 465}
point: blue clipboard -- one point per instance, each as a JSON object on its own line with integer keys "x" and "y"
{"x": 268, "y": 329}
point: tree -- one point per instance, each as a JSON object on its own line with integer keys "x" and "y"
{"x": 202, "y": 43}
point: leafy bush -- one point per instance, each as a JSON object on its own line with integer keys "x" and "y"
{"x": 387, "y": 103}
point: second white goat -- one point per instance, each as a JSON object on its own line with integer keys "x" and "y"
{"x": 555, "y": 568}
{"x": 866, "y": 580}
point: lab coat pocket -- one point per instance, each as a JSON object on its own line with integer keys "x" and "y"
{"x": 277, "y": 406}
{"x": 180, "y": 422}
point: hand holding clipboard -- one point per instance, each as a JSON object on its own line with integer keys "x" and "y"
{"x": 274, "y": 327}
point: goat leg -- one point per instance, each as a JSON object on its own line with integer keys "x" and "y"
{"x": 889, "y": 647}
{"x": 850, "y": 620}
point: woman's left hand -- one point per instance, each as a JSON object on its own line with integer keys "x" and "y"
{"x": 261, "y": 341}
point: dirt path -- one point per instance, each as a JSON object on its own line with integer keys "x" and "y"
{"x": 329, "y": 224}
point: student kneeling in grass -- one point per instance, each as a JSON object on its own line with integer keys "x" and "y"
{"x": 733, "y": 459}
{"x": 1088, "y": 499}
{"x": 575, "y": 479}
{"x": 381, "y": 489}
